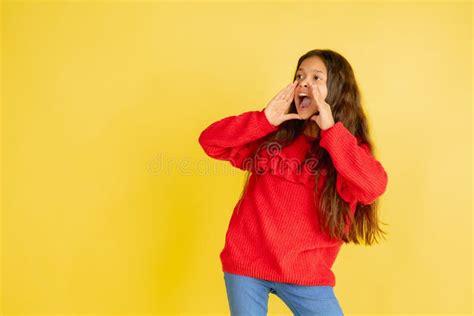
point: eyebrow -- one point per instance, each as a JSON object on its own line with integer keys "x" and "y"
{"x": 315, "y": 70}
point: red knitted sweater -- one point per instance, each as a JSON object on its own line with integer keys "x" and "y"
{"x": 274, "y": 233}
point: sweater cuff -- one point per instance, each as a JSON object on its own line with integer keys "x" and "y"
{"x": 335, "y": 135}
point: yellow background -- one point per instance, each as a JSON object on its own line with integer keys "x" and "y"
{"x": 109, "y": 205}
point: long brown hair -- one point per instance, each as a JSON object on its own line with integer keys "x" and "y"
{"x": 344, "y": 98}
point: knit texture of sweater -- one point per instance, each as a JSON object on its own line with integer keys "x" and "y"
{"x": 274, "y": 231}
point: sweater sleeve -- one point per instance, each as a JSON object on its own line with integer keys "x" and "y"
{"x": 236, "y": 137}
{"x": 360, "y": 176}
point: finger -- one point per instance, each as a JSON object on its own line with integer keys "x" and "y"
{"x": 315, "y": 91}
{"x": 279, "y": 94}
{"x": 290, "y": 93}
{"x": 283, "y": 92}
{"x": 319, "y": 89}
{"x": 290, "y": 88}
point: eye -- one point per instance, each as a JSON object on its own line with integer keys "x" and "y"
{"x": 315, "y": 77}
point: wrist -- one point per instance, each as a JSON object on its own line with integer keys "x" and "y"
{"x": 268, "y": 119}
{"x": 324, "y": 129}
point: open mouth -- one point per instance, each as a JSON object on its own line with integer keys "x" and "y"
{"x": 304, "y": 101}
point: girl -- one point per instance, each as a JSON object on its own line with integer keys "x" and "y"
{"x": 312, "y": 184}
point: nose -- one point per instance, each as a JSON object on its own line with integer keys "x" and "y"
{"x": 304, "y": 84}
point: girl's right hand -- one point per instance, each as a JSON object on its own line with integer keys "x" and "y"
{"x": 276, "y": 110}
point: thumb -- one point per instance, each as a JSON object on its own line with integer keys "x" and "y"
{"x": 292, "y": 116}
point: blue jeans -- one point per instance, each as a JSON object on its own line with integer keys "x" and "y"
{"x": 248, "y": 296}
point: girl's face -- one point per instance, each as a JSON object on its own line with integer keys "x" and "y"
{"x": 312, "y": 70}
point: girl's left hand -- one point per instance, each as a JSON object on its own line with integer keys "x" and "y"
{"x": 324, "y": 119}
